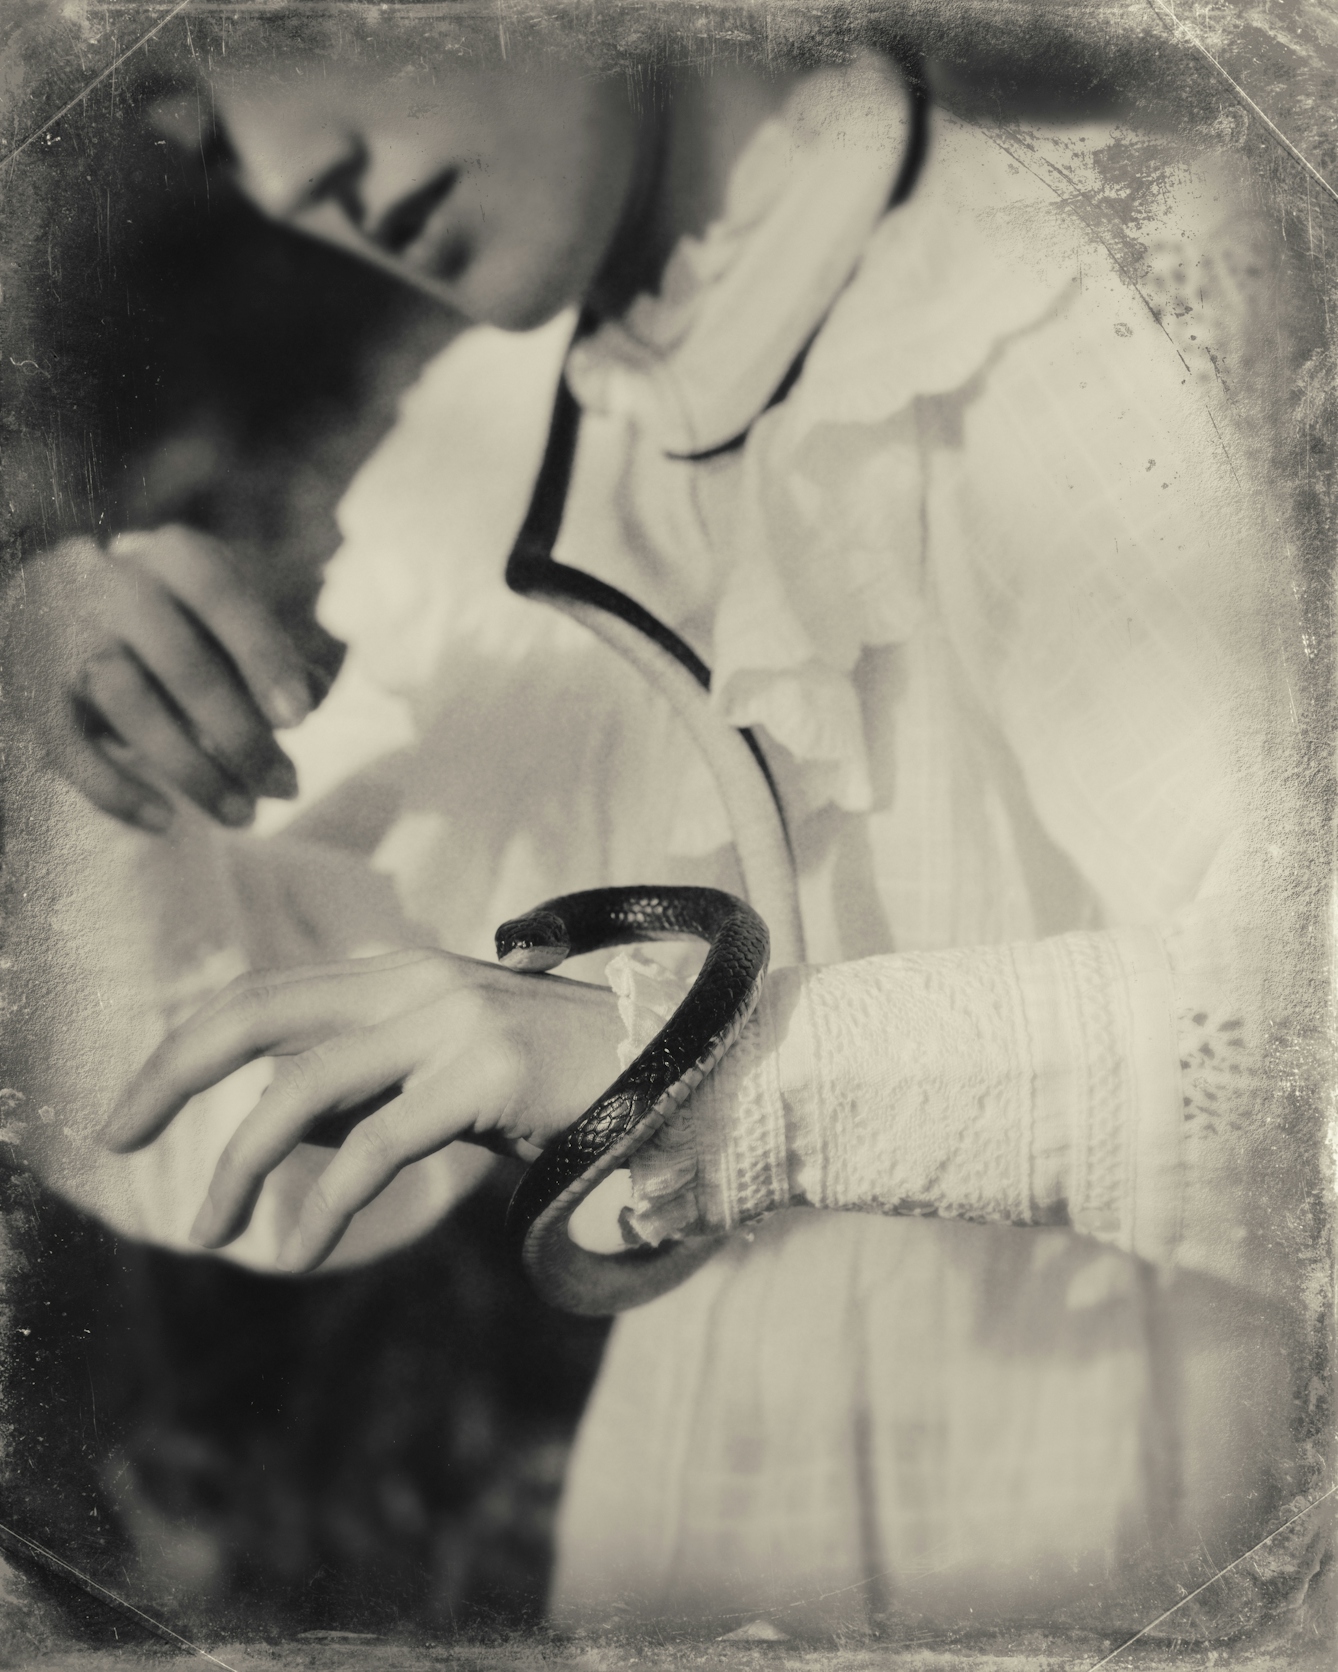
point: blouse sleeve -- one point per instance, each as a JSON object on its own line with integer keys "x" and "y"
{"x": 1117, "y": 600}
{"x": 1110, "y": 1081}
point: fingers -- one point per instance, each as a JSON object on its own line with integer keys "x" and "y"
{"x": 173, "y": 617}
{"x": 478, "y": 1050}
{"x": 199, "y": 686}
{"x": 329, "y": 1079}
{"x": 195, "y": 570}
{"x": 150, "y": 667}
{"x": 266, "y": 1015}
{"x": 424, "y": 1119}
{"x": 121, "y": 690}
{"x": 255, "y": 1021}
{"x": 113, "y": 788}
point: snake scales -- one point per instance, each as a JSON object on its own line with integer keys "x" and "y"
{"x": 741, "y": 936}
{"x": 686, "y": 1049}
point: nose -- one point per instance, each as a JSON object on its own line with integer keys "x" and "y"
{"x": 293, "y": 159}
{"x": 315, "y": 156}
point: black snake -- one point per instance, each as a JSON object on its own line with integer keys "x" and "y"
{"x": 681, "y": 1055}
{"x": 720, "y": 1001}
{"x": 741, "y": 936}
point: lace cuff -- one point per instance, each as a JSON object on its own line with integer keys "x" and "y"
{"x": 718, "y": 1161}
{"x": 1031, "y": 1084}
{"x": 664, "y": 1172}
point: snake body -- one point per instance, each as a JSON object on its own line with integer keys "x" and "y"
{"x": 681, "y": 1055}
{"x": 742, "y": 937}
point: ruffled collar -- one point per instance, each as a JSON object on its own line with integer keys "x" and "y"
{"x": 821, "y": 555}
{"x": 818, "y": 550}
{"x": 697, "y": 362}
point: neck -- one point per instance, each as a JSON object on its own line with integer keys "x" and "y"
{"x": 690, "y": 141}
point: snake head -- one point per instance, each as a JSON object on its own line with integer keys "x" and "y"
{"x": 538, "y": 941}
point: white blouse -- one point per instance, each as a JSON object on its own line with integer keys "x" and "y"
{"x": 998, "y": 588}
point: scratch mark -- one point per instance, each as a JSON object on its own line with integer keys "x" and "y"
{"x": 1291, "y": 1519}
{"x": 1226, "y": 452}
{"x": 1291, "y": 695}
{"x": 93, "y": 1396}
{"x": 48, "y": 1559}
{"x": 1242, "y": 97}
{"x": 110, "y": 70}
{"x": 1075, "y": 202}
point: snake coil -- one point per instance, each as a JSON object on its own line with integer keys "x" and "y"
{"x": 664, "y": 1075}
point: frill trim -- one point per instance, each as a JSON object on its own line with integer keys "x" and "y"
{"x": 827, "y": 556}
{"x": 695, "y": 363}
{"x": 823, "y": 554}
{"x": 826, "y": 560}
{"x": 664, "y": 1172}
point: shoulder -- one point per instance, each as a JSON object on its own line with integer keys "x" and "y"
{"x": 944, "y": 277}
{"x": 1017, "y": 241}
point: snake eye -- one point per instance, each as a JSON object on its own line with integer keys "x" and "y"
{"x": 539, "y": 941}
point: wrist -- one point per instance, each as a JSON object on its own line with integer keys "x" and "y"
{"x": 722, "y": 1158}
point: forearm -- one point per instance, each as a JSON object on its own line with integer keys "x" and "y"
{"x": 1048, "y": 1082}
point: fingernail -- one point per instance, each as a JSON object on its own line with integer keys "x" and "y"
{"x": 291, "y": 1254}
{"x": 289, "y": 704}
{"x": 280, "y": 780}
{"x": 154, "y": 816}
{"x": 235, "y": 810}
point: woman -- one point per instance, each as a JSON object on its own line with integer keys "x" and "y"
{"x": 876, "y": 425}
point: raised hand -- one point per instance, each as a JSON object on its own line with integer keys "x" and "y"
{"x": 150, "y": 668}
{"x": 464, "y": 1049}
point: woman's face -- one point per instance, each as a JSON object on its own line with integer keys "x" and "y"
{"x": 497, "y": 190}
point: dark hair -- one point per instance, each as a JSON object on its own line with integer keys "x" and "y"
{"x": 171, "y": 355}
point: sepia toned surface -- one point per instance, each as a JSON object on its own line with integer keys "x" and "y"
{"x": 260, "y": 460}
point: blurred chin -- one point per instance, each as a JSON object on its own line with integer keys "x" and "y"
{"x": 524, "y": 314}
{"x": 516, "y": 295}
{"x": 517, "y": 306}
